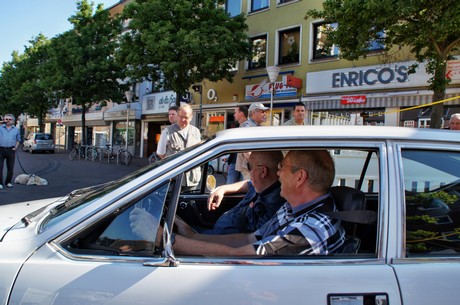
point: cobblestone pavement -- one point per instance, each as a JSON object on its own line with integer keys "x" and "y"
{"x": 63, "y": 175}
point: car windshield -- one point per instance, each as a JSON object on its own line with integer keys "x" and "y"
{"x": 83, "y": 197}
{"x": 43, "y": 136}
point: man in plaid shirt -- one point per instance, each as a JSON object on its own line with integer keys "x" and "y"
{"x": 300, "y": 227}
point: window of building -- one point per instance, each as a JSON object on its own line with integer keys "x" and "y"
{"x": 286, "y": 1}
{"x": 259, "y": 52}
{"x": 289, "y": 46}
{"x": 233, "y": 7}
{"x": 377, "y": 44}
{"x": 257, "y": 5}
{"x": 321, "y": 49}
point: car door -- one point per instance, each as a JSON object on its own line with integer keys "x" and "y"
{"x": 121, "y": 268}
{"x": 428, "y": 263}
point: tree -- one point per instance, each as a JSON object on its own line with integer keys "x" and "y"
{"x": 23, "y": 83}
{"x": 182, "y": 42}
{"x": 429, "y": 28}
{"x": 83, "y": 65}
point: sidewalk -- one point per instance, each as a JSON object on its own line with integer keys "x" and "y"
{"x": 63, "y": 175}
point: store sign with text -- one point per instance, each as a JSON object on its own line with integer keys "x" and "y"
{"x": 353, "y": 99}
{"x": 390, "y": 76}
{"x": 158, "y": 102}
{"x": 263, "y": 90}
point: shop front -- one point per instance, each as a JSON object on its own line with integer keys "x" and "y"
{"x": 375, "y": 95}
{"x": 95, "y": 125}
{"x": 155, "y": 108}
{"x": 219, "y": 116}
{"x": 125, "y": 120}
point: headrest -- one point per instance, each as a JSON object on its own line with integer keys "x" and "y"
{"x": 348, "y": 199}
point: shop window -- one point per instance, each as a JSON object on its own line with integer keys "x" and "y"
{"x": 259, "y": 52}
{"x": 119, "y": 135}
{"x": 215, "y": 121}
{"x": 321, "y": 48}
{"x": 289, "y": 46}
{"x": 257, "y": 5}
{"x": 233, "y": 7}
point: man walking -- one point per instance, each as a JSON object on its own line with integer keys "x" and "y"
{"x": 9, "y": 142}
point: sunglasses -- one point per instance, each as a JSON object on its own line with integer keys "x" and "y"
{"x": 251, "y": 167}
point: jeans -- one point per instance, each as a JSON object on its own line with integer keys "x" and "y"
{"x": 233, "y": 175}
{"x": 8, "y": 155}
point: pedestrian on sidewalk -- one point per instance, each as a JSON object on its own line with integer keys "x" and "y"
{"x": 9, "y": 142}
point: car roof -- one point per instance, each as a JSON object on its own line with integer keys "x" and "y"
{"x": 325, "y": 132}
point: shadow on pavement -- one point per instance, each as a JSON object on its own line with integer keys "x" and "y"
{"x": 63, "y": 175}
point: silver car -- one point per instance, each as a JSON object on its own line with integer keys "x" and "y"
{"x": 81, "y": 249}
{"x": 39, "y": 142}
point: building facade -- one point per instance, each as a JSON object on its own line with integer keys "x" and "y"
{"x": 335, "y": 91}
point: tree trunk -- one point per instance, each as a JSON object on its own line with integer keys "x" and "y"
{"x": 439, "y": 93}
{"x": 83, "y": 125}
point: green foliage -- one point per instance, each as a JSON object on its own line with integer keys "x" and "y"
{"x": 416, "y": 240}
{"x": 24, "y": 86}
{"x": 425, "y": 198}
{"x": 78, "y": 63}
{"x": 185, "y": 41}
{"x": 430, "y": 29}
{"x": 83, "y": 65}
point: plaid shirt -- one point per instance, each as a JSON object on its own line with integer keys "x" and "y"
{"x": 304, "y": 232}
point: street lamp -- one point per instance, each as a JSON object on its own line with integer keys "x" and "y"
{"x": 273, "y": 72}
{"x": 199, "y": 89}
{"x": 129, "y": 96}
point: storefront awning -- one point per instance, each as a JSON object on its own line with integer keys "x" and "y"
{"x": 390, "y": 100}
{"x": 91, "y": 119}
{"x": 118, "y": 112}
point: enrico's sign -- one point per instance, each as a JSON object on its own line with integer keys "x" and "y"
{"x": 353, "y": 99}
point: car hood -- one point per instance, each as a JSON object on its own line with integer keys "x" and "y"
{"x": 10, "y": 214}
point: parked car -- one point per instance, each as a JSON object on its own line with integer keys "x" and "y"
{"x": 39, "y": 142}
{"x": 81, "y": 249}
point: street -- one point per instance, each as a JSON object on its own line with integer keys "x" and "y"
{"x": 63, "y": 175}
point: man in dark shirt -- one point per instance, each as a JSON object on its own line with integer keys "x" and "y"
{"x": 262, "y": 198}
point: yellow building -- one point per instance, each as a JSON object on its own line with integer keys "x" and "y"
{"x": 335, "y": 91}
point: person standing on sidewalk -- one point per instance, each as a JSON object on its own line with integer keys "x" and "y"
{"x": 258, "y": 115}
{"x": 241, "y": 116}
{"x": 178, "y": 137}
{"x": 9, "y": 142}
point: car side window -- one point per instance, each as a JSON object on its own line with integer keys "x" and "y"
{"x": 432, "y": 193}
{"x": 129, "y": 231}
{"x": 357, "y": 179}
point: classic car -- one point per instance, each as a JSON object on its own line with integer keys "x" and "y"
{"x": 81, "y": 249}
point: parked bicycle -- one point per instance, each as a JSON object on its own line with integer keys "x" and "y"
{"x": 92, "y": 152}
{"x": 154, "y": 158}
{"x": 77, "y": 150}
{"x": 121, "y": 155}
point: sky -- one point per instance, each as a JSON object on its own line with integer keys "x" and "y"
{"x": 22, "y": 20}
